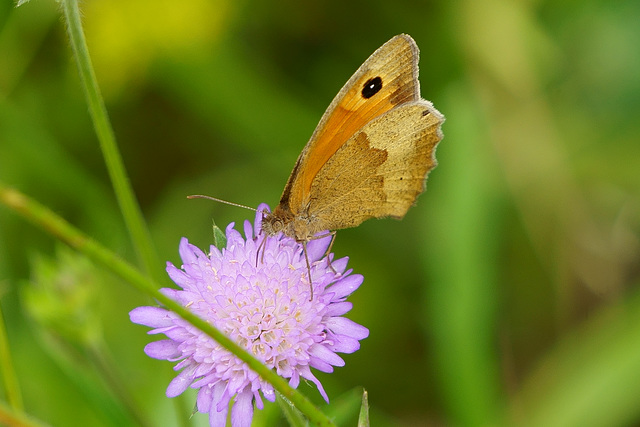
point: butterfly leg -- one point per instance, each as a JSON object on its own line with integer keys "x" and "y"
{"x": 262, "y": 243}
{"x": 326, "y": 254}
{"x": 261, "y": 248}
{"x": 306, "y": 257}
{"x": 328, "y": 251}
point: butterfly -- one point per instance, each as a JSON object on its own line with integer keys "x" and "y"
{"x": 369, "y": 155}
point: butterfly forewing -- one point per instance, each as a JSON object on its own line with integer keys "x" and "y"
{"x": 386, "y": 79}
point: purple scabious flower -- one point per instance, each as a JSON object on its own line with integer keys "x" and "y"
{"x": 262, "y": 302}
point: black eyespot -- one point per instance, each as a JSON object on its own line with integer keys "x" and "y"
{"x": 371, "y": 87}
{"x": 425, "y": 113}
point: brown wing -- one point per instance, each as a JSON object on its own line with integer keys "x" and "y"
{"x": 388, "y": 78}
{"x": 388, "y": 161}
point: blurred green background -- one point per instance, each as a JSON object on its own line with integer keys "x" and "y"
{"x": 509, "y": 294}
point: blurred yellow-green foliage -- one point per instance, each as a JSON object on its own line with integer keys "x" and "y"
{"x": 508, "y": 294}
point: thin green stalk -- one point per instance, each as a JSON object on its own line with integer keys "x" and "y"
{"x": 128, "y": 204}
{"x": 58, "y": 227}
{"x": 11, "y": 383}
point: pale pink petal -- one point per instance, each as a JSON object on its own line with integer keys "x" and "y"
{"x": 242, "y": 410}
{"x": 326, "y": 355}
{"x": 218, "y": 418}
{"x": 306, "y": 373}
{"x": 164, "y": 349}
{"x": 203, "y": 401}
{"x": 345, "y": 344}
{"x": 344, "y": 326}
{"x": 180, "y": 383}
{"x": 346, "y": 286}
{"x": 153, "y": 317}
{"x": 316, "y": 248}
{"x": 339, "y": 308}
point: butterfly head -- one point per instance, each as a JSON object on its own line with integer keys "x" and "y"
{"x": 277, "y": 221}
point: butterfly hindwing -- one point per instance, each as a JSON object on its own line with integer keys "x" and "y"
{"x": 389, "y": 159}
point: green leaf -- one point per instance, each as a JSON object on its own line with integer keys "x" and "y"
{"x": 293, "y": 416}
{"x": 363, "y": 419}
{"x": 219, "y": 238}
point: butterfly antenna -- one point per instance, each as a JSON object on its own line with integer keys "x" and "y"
{"x": 200, "y": 196}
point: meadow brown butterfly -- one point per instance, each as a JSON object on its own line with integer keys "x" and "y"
{"x": 368, "y": 157}
{"x": 370, "y": 154}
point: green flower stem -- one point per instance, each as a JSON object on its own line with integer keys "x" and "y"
{"x": 58, "y": 227}
{"x": 122, "y": 187}
{"x": 10, "y": 379}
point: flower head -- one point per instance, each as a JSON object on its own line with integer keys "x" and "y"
{"x": 262, "y": 302}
